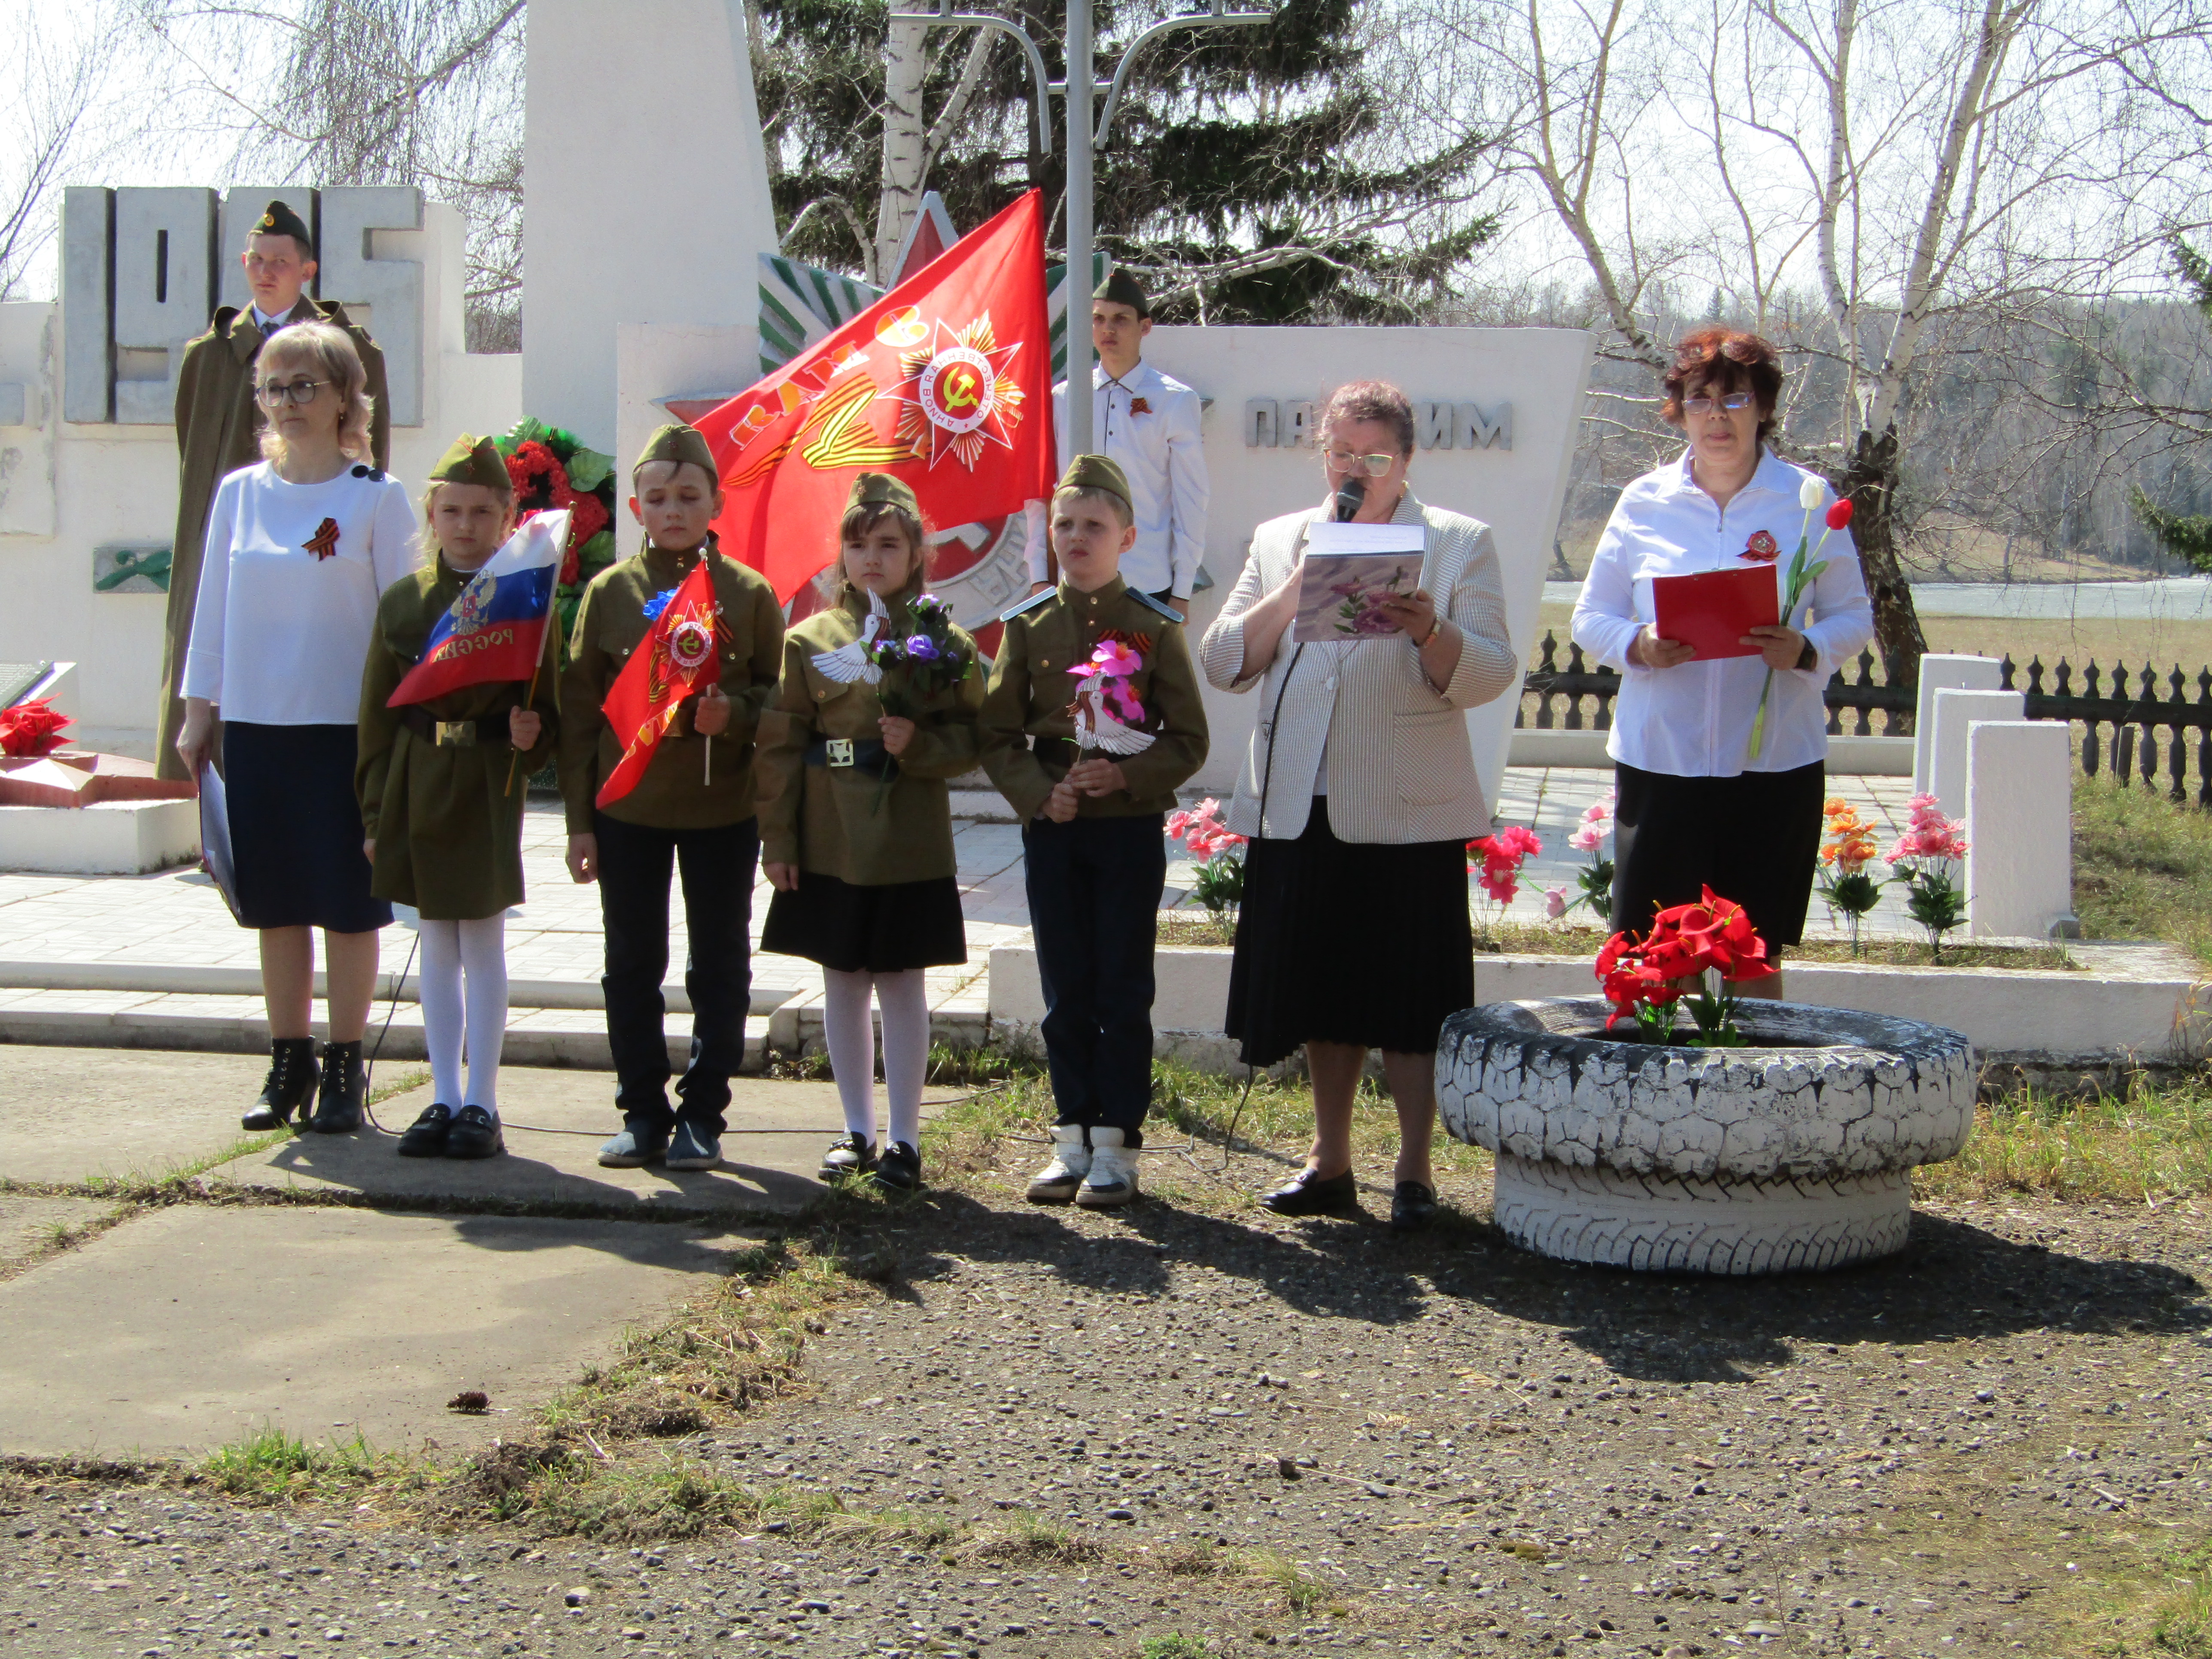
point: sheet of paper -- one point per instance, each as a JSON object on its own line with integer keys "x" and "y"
{"x": 1333, "y": 537}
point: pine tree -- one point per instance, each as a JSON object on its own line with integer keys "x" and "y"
{"x": 2186, "y": 536}
{"x": 1242, "y": 183}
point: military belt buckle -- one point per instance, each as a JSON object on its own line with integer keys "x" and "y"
{"x": 457, "y": 734}
{"x": 840, "y": 751}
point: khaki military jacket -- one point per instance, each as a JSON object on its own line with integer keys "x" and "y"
{"x": 675, "y": 793}
{"x": 218, "y": 431}
{"x": 446, "y": 817}
{"x": 841, "y": 820}
{"x": 1028, "y": 730}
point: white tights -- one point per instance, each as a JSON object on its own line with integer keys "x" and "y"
{"x": 449, "y": 949}
{"x": 851, "y": 1039}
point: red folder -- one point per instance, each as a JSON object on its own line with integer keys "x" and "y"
{"x": 1714, "y": 609}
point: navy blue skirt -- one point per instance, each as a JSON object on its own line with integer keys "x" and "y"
{"x": 882, "y": 930}
{"x": 295, "y": 828}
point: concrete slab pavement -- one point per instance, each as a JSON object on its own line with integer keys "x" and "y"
{"x": 70, "y": 1114}
{"x": 554, "y": 1121}
{"x": 28, "y": 1224}
{"x": 187, "y": 1328}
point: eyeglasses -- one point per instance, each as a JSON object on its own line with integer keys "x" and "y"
{"x": 1702, "y": 405}
{"x": 275, "y": 394}
{"x": 1375, "y": 466}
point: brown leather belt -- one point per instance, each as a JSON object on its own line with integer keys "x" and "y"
{"x": 489, "y": 733}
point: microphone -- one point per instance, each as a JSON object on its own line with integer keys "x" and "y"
{"x": 1350, "y": 495}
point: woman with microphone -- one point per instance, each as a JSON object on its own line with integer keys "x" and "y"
{"x": 1360, "y": 793}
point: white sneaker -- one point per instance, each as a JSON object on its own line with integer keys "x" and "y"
{"x": 1113, "y": 1177}
{"x": 1056, "y": 1182}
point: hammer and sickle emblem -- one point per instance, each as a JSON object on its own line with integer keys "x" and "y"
{"x": 960, "y": 389}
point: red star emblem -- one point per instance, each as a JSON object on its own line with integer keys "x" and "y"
{"x": 958, "y": 397}
{"x": 324, "y": 541}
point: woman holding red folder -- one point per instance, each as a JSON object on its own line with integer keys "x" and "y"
{"x": 1697, "y": 805}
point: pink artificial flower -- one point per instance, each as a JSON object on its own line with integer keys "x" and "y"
{"x": 1178, "y": 821}
{"x": 1555, "y": 902}
{"x": 1112, "y": 657}
{"x": 1587, "y": 839}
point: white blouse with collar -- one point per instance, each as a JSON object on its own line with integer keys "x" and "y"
{"x": 1694, "y": 719}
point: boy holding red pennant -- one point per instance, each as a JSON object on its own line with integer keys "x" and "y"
{"x": 675, "y": 655}
{"x": 945, "y": 384}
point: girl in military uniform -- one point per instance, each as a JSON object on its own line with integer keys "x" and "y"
{"x": 856, "y": 830}
{"x": 441, "y": 794}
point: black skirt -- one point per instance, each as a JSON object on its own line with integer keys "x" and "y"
{"x": 882, "y": 930}
{"x": 1349, "y": 942}
{"x": 295, "y": 829}
{"x": 1754, "y": 838}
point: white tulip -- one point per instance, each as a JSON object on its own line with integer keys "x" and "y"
{"x": 1812, "y": 493}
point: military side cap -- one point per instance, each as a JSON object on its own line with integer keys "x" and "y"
{"x": 473, "y": 461}
{"x": 881, "y": 490}
{"x": 1096, "y": 472}
{"x": 278, "y": 219}
{"x": 1121, "y": 288}
{"x": 677, "y": 441}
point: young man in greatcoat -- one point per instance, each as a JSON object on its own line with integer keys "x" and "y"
{"x": 219, "y": 424}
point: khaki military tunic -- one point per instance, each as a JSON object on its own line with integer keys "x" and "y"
{"x": 446, "y": 825}
{"x": 1030, "y": 689}
{"x": 842, "y": 821}
{"x": 218, "y": 431}
{"x": 673, "y": 793}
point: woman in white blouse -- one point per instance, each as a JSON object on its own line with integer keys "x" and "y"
{"x": 299, "y": 549}
{"x": 1696, "y": 807}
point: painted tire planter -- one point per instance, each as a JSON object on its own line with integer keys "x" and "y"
{"x": 1794, "y": 1153}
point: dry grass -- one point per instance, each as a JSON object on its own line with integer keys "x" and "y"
{"x": 2143, "y": 866}
{"x": 1024, "y": 1536}
{"x": 2149, "y": 1145}
{"x": 2183, "y": 1623}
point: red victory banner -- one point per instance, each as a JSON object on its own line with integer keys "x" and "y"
{"x": 945, "y": 382}
{"x": 677, "y": 658}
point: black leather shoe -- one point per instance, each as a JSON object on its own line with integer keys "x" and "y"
{"x": 475, "y": 1134}
{"x": 427, "y": 1135}
{"x": 849, "y": 1154}
{"x": 344, "y": 1097}
{"x": 899, "y": 1168}
{"x": 1307, "y": 1193}
{"x": 1412, "y": 1207}
{"x": 290, "y": 1086}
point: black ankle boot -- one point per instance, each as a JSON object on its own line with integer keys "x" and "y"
{"x": 289, "y": 1087}
{"x": 344, "y": 1094}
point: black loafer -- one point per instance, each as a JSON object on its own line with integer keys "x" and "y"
{"x": 1309, "y": 1193}
{"x": 899, "y": 1168}
{"x": 849, "y": 1154}
{"x": 1413, "y": 1206}
{"x": 475, "y": 1134}
{"x": 426, "y": 1136}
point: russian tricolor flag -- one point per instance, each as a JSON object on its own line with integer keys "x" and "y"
{"x": 496, "y": 629}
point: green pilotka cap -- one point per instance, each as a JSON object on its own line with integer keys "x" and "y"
{"x": 278, "y": 219}
{"x": 1121, "y": 288}
{"x": 677, "y": 441}
{"x": 881, "y": 490}
{"x": 473, "y": 461}
{"x": 1096, "y": 472}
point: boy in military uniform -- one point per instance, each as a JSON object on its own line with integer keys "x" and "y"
{"x": 219, "y": 425}
{"x": 1093, "y": 819}
{"x": 680, "y": 814}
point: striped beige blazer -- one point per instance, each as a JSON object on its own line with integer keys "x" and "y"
{"x": 1400, "y": 768}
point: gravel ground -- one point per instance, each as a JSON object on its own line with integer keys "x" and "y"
{"x": 1268, "y": 1435}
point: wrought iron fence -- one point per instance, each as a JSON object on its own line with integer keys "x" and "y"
{"x": 2129, "y": 732}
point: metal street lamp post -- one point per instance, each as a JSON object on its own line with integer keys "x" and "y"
{"x": 1079, "y": 90}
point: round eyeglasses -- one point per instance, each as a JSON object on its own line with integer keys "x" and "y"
{"x": 275, "y": 394}
{"x": 1375, "y": 466}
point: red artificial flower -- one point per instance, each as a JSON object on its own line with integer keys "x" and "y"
{"x": 587, "y": 517}
{"x": 1839, "y": 514}
{"x": 1139, "y": 406}
{"x": 31, "y": 728}
{"x": 1761, "y": 549}
{"x": 541, "y": 483}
